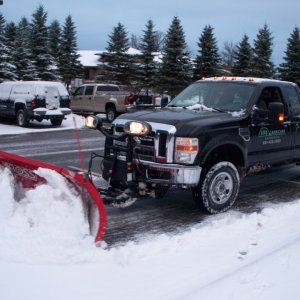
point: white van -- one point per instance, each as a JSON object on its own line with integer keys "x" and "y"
{"x": 34, "y": 100}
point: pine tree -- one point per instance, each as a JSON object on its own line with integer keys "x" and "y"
{"x": 69, "y": 63}
{"x": 40, "y": 46}
{"x": 262, "y": 65}
{"x": 7, "y": 68}
{"x": 176, "y": 69}
{"x": 243, "y": 58}
{"x": 208, "y": 60}
{"x": 290, "y": 68}
{"x": 10, "y": 35}
{"x": 55, "y": 40}
{"x": 23, "y": 57}
{"x": 148, "y": 47}
{"x": 115, "y": 63}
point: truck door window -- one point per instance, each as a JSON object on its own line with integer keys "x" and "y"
{"x": 292, "y": 95}
{"x": 23, "y": 89}
{"x": 268, "y": 95}
{"x": 79, "y": 91}
{"x": 89, "y": 90}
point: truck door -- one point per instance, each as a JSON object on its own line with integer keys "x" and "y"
{"x": 270, "y": 142}
{"x": 292, "y": 95}
{"x": 100, "y": 98}
{"x": 83, "y": 99}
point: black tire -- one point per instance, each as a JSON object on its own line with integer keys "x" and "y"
{"x": 218, "y": 190}
{"x": 161, "y": 191}
{"x": 111, "y": 114}
{"x": 56, "y": 122}
{"x": 22, "y": 119}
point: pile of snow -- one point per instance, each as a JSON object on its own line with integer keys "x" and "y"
{"x": 45, "y": 221}
{"x": 46, "y": 253}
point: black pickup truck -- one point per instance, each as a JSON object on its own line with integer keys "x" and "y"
{"x": 206, "y": 139}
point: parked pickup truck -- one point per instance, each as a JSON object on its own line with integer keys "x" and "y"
{"x": 34, "y": 100}
{"x": 206, "y": 139}
{"x": 110, "y": 99}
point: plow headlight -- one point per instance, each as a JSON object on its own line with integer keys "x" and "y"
{"x": 186, "y": 150}
{"x": 93, "y": 122}
{"x": 137, "y": 128}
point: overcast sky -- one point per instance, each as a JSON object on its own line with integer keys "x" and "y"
{"x": 231, "y": 19}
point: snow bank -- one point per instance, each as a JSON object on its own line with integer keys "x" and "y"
{"x": 228, "y": 256}
{"x": 46, "y": 221}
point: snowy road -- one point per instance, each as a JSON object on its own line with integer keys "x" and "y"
{"x": 176, "y": 212}
{"x": 250, "y": 252}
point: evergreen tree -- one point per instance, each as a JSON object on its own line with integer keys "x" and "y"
{"x": 262, "y": 65}
{"x": 290, "y": 68}
{"x": 7, "y": 68}
{"x": 40, "y": 46}
{"x": 55, "y": 40}
{"x": 115, "y": 63}
{"x": 69, "y": 63}
{"x": 10, "y": 32}
{"x": 176, "y": 69}
{"x": 208, "y": 60}
{"x": 243, "y": 58}
{"x": 23, "y": 57}
{"x": 148, "y": 46}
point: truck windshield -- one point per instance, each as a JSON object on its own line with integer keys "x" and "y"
{"x": 221, "y": 96}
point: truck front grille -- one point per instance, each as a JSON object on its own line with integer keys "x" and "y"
{"x": 153, "y": 147}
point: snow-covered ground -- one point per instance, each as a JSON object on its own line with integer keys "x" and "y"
{"x": 9, "y": 127}
{"x": 46, "y": 252}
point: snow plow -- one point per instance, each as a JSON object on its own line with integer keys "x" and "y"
{"x": 26, "y": 176}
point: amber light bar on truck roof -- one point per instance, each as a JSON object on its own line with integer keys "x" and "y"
{"x": 228, "y": 78}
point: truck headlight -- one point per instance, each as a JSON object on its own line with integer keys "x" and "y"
{"x": 137, "y": 128}
{"x": 186, "y": 150}
{"x": 93, "y": 122}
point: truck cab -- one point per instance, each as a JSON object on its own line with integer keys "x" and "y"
{"x": 206, "y": 139}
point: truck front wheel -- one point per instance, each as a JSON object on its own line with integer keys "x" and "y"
{"x": 219, "y": 188}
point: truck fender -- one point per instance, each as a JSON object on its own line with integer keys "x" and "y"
{"x": 223, "y": 140}
{"x": 20, "y": 101}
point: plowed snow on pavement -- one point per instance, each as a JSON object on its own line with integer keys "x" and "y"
{"x": 46, "y": 253}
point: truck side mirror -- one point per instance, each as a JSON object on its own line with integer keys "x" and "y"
{"x": 276, "y": 112}
{"x": 257, "y": 115}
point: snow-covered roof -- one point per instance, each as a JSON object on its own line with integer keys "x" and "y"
{"x": 90, "y": 58}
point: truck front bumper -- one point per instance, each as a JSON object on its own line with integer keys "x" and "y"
{"x": 172, "y": 174}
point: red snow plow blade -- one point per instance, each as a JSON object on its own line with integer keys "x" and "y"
{"x": 23, "y": 169}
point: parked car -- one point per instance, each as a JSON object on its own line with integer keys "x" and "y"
{"x": 110, "y": 99}
{"x": 34, "y": 100}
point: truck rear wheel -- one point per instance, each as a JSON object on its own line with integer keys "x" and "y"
{"x": 219, "y": 188}
{"x": 111, "y": 114}
{"x": 22, "y": 119}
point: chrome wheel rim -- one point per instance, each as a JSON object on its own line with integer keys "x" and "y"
{"x": 110, "y": 115}
{"x": 221, "y": 188}
{"x": 21, "y": 119}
